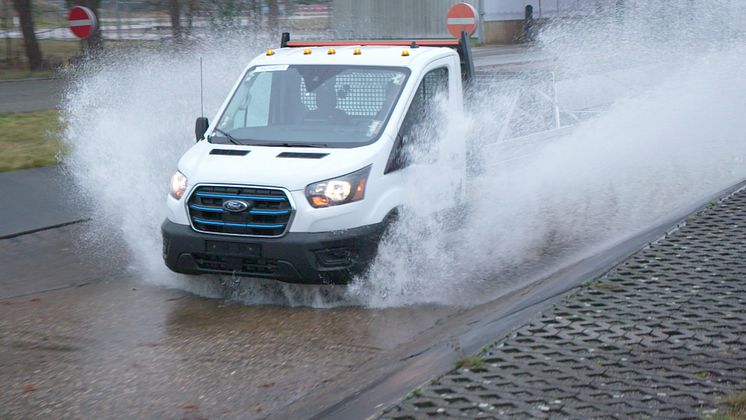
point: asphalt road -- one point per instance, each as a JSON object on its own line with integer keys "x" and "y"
{"x": 36, "y": 199}
{"x": 30, "y": 95}
{"x": 80, "y": 337}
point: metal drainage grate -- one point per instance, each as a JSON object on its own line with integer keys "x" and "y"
{"x": 661, "y": 336}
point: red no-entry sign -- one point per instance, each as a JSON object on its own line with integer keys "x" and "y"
{"x": 462, "y": 17}
{"x": 82, "y": 21}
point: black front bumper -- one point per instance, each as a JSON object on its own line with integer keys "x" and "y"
{"x": 316, "y": 258}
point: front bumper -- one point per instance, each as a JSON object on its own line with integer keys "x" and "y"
{"x": 315, "y": 258}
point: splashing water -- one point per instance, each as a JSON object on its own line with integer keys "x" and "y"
{"x": 129, "y": 118}
{"x": 672, "y": 138}
{"x": 671, "y": 134}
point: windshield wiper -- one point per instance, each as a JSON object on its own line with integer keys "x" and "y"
{"x": 314, "y": 145}
{"x": 228, "y": 136}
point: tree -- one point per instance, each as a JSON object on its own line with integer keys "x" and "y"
{"x": 191, "y": 6}
{"x": 96, "y": 41}
{"x": 174, "y": 11}
{"x": 274, "y": 14}
{"x": 25, "y": 16}
{"x": 255, "y": 13}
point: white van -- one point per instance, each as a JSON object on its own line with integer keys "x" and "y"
{"x": 303, "y": 168}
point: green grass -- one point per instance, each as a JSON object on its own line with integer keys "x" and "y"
{"x": 29, "y": 139}
{"x": 56, "y": 53}
{"x": 735, "y": 406}
{"x": 52, "y": 49}
{"x": 17, "y": 74}
{"x": 59, "y": 52}
{"x": 414, "y": 393}
{"x": 469, "y": 362}
{"x": 47, "y": 22}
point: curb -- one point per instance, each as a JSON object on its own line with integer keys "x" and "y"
{"x": 31, "y": 79}
{"x": 41, "y": 229}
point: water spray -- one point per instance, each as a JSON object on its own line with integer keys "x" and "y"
{"x": 670, "y": 133}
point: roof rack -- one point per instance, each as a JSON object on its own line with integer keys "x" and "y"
{"x": 462, "y": 46}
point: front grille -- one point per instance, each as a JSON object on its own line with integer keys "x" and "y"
{"x": 268, "y": 213}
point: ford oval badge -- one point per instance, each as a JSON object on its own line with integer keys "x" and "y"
{"x": 235, "y": 206}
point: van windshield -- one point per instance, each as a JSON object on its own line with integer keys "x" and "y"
{"x": 311, "y": 105}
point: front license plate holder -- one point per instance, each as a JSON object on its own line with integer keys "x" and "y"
{"x": 233, "y": 248}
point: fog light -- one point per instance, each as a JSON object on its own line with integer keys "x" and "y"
{"x": 335, "y": 257}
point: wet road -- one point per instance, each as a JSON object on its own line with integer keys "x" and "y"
{"x": 30, "y": 95}
{"x": 35, "y": 189}
{"x": 82, "y": 338}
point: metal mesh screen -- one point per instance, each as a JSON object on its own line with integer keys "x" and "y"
{"x": 358, "y": 94}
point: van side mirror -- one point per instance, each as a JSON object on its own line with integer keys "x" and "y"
{"x": 200, "y": 128}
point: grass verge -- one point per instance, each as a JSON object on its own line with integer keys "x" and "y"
{"x": 56, "y": 53}
{"x": 469, "y": 362}
{"x": 735, "y": 407}
{"x": 19, "y": 74}
{"x": 29, "y": 139}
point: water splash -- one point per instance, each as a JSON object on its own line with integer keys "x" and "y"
{"x": 672, "y": 139}
{"x": 670, "y": 134}
{"x": 129, "y": 117}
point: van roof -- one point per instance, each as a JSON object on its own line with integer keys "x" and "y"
{"x": 365, "y": 55}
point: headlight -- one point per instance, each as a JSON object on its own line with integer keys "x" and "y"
{"x": 178, "y": 185}
{"x": 341, "y": 190}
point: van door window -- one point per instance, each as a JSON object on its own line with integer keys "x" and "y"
{"x": 252, "y": 107}
{"x": 432, "y": 87}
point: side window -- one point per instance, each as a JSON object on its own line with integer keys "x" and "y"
{"x": 257, "y": 111}
{"x": 252, "y": 110}
{"x": 434, "y": 83}
{"x": 432, "y": 86}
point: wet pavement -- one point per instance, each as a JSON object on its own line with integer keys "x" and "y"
{"x": 82, "y": 338}
{"x": 36, "y": 199}
{"x": 663, "y": 335}
{"x": 30, "y": 95}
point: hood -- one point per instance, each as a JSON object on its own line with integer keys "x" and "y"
{"x": 292, "y": 168}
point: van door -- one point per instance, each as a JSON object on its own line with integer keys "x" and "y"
{"x": 422, "y": 148}
{"x": 420, "y": 119}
